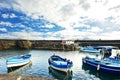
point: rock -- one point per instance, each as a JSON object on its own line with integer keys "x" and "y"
{"x": 23, "y": 77}
{"x": 21, "y": 44}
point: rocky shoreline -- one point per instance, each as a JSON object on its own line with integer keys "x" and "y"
{"x": 21, "y": 77}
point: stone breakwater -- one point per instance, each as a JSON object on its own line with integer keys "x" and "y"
{"x": 54, "y": 44}
{"x": 37, "y": 44}
{"x": 14, "y": 44}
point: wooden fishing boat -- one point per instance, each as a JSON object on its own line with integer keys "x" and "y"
{"x": 108, "y": 65}
{"x": 59, "y": 63}
{"x": 17, "y": 61}
{"x": 89, "y": 49}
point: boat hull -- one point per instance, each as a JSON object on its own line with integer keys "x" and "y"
{"x": 60, "y": 69}
{"x": 100, "y": 67}
{"x": 61, "y": 64}
{"x": 18, "y": 64}
{"x": 89, "y": 50}
{"x": 18, "y": 61}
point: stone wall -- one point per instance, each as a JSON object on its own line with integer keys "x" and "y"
{"x": 14, "y": 44}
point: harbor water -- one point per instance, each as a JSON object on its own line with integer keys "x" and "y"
{"x": 39, "y": 65}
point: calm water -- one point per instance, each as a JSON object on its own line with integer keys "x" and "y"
{"x": 40, "y": 67}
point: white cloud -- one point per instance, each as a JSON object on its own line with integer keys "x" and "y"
{"x": 22, "y": 35}
{"x": 6, "y": 23}
{"x": 67, "y": 13}
{"x": 63, "y": 12}
{"x": 95, "y": 29}
{"x": 12, "y": 15}
{"x": 110, "y": 36}
{"x": 5, "y": 15}
{"x": 20, "y": 25}
{"x": 3, "y": 29}
{"x": 9, "y": 15}
{"x": 74, "y": 34}
{"x": 47, "y": 26}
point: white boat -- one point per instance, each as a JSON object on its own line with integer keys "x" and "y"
{"x": 17, "y": 61}
{"x": 59, "y": 63}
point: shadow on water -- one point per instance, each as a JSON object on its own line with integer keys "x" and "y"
{"x": 17, "y": 70}
{"x": 60, "y": 75}
{"x": 101, "y": 75}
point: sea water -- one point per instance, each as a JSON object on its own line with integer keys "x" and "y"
{"x": 39, "y": 65}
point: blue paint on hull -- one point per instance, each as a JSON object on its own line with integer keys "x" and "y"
{"x": 103, "y": 67}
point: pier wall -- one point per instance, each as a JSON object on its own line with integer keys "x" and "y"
{"x": 54, "y": 44}
{"x": 98, "y": 42}
{"x": 14, "y": 44}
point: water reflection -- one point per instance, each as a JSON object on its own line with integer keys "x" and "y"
{"x": 39, "y": 66}
{"x": 17, "y": 70}
{"x": 60, "y": 75}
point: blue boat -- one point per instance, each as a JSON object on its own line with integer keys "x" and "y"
{"x": 17, "y": 61}
{"x": 89, "y": 49}
{"x": 59, "y": 63}
{"x": 108, "y": 65}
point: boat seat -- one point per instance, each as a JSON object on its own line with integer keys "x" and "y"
{"x": 60, "y": 62}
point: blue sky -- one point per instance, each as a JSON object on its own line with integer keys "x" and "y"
{"x": 60, "y": 19}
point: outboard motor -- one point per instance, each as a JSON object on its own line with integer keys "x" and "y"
{"x": 109, "y": 50}
{"x": 106, "y": 52}
{"x": 118, "y": 55}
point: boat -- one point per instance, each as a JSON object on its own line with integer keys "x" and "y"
{"x": 61, "y": 64}
{"x": 109, "y": 65}
{"x": 18, "y": 61}
{"x": 89, "y": 49}
{"x": 90, "y": 70}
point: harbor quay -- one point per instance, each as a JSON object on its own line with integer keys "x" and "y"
{"x": 54, "y": 44}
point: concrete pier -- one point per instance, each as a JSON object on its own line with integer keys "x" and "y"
{"x": 23, "y": 77}
{"x": 54, "y": 44}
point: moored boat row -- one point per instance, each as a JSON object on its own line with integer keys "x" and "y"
{"x": 105, "y": 64}
{"x": 108, "y": 64}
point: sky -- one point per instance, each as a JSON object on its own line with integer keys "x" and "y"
{"x": 60, "y": 19}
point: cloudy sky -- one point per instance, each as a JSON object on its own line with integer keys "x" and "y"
{"x": 60, "y": 19}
